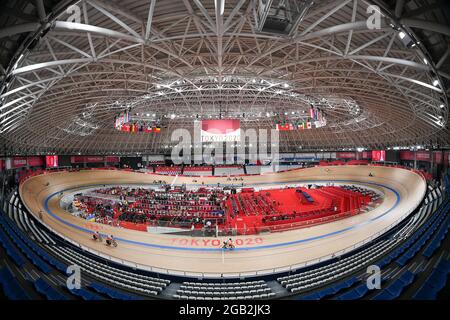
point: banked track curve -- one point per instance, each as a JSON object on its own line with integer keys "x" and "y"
{"x": 260, "y": 254}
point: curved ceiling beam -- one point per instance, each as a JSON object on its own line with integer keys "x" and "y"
{"x": 17, "y": 29}
{"x": 426, "y": 25}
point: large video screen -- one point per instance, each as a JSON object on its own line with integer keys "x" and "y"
{"x": 378, "y": 155}
{"x": 51, "y": 161}
{"x": 221, "y": 130}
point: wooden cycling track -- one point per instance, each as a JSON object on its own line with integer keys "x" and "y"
{"x": 202, "y": 257}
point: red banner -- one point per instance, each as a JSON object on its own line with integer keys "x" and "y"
{"x": 76, "y": 159}
{"x": 345, "y": 155}
{"x": 91, "y": 159}
{"x": 112, "y": 159}
{"x": 87, "y": 159}
{"x": 18, "y": 162}
{"x": 420, "y": 155}
{"x": 423, "y": 156}
{"x": 406, "y": 155}
{"x": 35, "y": 161}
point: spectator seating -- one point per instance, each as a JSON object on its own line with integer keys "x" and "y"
{"x": 114, "y": 294}
{"x": 30, "y": 254}
{"x": 434, "y": 282}
{"x": 326, "y": 274}
{"x": 315, "y": 277}
{"x": 198, "y": 171}
{"x": 393, "y": 290}
{"x": 285, "y": 167}
{"x": 224, "y": 291}
{"x": 356, "y": 293}
{"x": 30, "y": 249}
{"x": 253, "y": 169}
{"x": 10, "y": 248}
{"x": 48, "y": 291}
{"x": 24, "y": 238}
{"x": 438, "y": 238}
{"x": 172, "y": 171}
{"x": 228, "y": 170}
{"x": 11, "y": 286}
{"x": 120, "y": 278}
{"x": 330, "y": 290}
{"x": 422, "y": 236}
{"x": 85, "y": 294}
{"x": 117, "y": 277}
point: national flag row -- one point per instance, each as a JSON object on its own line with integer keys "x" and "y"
{"x": 135, "y": 127}
{"x": 300, "y": 126}
{"x": 121, "y": 119}
{"x": 293, "y": 126}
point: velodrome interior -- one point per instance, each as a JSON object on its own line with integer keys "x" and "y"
{"x": 224, "y": 150}
{"x": 403, "y": 190}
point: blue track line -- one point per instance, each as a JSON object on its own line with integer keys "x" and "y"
{"x": 236, "y": 249}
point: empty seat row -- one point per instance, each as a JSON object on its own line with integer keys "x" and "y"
{"x": 330, "y": 290}
{"x": 116, "y": 279}
{"x": 316, "y": 277}
{"x": 247, "y": 297}
{"x": 235, "y": 286}
{"x": 110, "y": 292}
{"x": 438, "y": 238}
{"x": 219, "y": 284}
{"x": 31, "y": 249}
{"x": 326, "y": 271}
{"x": 223, "y": 293}
{"x": 422, "y": 235}
{"x": 30, "y": 254}
{"x": 134, "y": 276}
{"x": 11, "y": 286}
{"x": 434, "y": 282}
{"x": 393, "y": 290}
{"x": 48, "y": 291}
{"x": 11, "y": 249}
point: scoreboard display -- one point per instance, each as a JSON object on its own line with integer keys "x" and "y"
{"x": 221, "y": 130}
{"x": 51, "y": 161}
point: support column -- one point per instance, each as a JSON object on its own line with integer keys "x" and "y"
{"x": 432, "y": 163}
{"x": 415, "y": 160}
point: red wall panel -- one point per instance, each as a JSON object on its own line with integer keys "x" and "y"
{"x": 345, "y": 155}
{"x": 112, "y": 159}
{"x": 35, "y": 161}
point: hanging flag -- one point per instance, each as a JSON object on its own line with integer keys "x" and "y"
{"x": 126, "y": 127}
{"x": 311, "y": 113}
{"x": 282, "y": 127}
